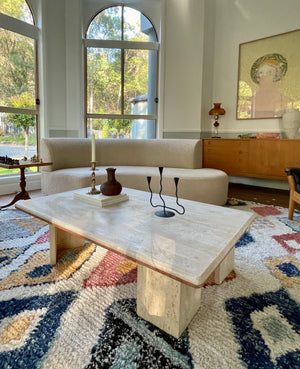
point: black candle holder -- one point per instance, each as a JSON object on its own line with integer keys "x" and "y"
{"x": 165, "y": 213}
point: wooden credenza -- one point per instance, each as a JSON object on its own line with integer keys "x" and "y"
{"x": 260, "y": 158}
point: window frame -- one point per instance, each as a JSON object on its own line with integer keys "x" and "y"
{"x": 23, "y": 28}
{"x": 120, "y": 45}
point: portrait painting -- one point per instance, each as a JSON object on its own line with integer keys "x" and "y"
{"x": 269, "y": 76}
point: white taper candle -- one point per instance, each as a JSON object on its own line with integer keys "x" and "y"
{"x": 93, "y": 147}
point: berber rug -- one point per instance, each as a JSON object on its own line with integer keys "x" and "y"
{"x": 81, "y": 313}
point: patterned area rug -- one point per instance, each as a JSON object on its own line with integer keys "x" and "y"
{"x": 81, "y": 313}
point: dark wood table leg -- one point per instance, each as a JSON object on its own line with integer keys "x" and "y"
{"x": 23, "y": 194}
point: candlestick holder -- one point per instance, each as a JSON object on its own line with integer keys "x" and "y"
{"x": 93, "y": 190}
{"x": 165, "y": 213}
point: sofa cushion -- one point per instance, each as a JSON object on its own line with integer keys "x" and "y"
{"x": 205, "y": 185}
{"x": 172, "y": 153}
{"x": 76, "y": 152}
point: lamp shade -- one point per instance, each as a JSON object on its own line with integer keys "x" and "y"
{"x": 217, "y": 110}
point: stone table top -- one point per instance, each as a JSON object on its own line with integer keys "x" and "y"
{"x": 186, "y": 247}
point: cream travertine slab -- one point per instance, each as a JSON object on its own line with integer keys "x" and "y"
{"x": 185, "y": 248}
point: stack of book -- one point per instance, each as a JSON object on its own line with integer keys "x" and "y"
{"x": 100, "y": 199}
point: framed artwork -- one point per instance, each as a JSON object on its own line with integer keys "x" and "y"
{"x": 269, "y": 76}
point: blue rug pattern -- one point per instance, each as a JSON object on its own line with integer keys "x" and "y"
{"x": 128, "y": 341}
{"x": 268, "y": 329}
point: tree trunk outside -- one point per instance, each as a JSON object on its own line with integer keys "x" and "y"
{"x": 26, "y": 131}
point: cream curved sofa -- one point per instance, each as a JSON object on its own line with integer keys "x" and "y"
{"x": 134, "y": 160}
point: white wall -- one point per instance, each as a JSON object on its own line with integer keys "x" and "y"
{"x": 61, "y": 68}
{"x": 53, "y": 67}
{"x": 74, "y": 69}
{"x": 239, "y": 21}
{"x": 183, "y": 47}
{"x": 208, "y": 64}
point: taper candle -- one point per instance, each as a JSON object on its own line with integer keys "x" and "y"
{"x": 93, "y": 148}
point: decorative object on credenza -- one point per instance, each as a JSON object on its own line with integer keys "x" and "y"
{"x": 268, "y": 135}
{"x": 216, "y": 111}
{"x": 165, "y": 213}
{"x": 247, "y": 135}
{"x": 111, "y": 187}
{"x": 290, "y": 122}
{"x": 93, "y": 190}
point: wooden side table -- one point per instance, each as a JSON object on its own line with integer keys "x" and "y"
{"x": 23, "y": 194}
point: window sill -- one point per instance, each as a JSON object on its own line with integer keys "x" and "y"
{"x": 11, "y": 184}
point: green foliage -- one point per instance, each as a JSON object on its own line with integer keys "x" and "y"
{"x": 112, "y": 126}
{"x": 4, "y": 171}
{"x": 17, "y": 63}
{"x": 25, "y": 121}
{"x": 15, "y": 8}
{"x": 16, "y": 66}
{"x": 104, "y": 78}
{"x": 22, "y": 120}
{"x": 22, "y": 101}
{"x": 17, "y": 138}
{"x": 105, "y": 130}
{"x": 106, "y": 25}
{"x": 119, "y": 126}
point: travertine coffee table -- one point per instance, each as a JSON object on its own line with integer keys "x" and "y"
{"x": 175, "y": 255}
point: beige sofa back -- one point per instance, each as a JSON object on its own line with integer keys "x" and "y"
{"x": 76, "y": 152}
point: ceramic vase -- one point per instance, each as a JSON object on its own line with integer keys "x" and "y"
{"x": 290, "y": 122}
{"x": 111, "y": 187}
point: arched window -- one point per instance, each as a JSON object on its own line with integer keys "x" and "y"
{"x": 18, "y": 81}
{"x": 121, "y": 74}
{"x": 17, "y": 9}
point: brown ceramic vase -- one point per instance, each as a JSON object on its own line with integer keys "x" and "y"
{"x": 111, "y": 187}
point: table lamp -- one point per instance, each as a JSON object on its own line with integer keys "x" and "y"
{"x": 216, "y": 111}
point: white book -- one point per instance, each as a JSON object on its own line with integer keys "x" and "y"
{"x": 100, "y": 199}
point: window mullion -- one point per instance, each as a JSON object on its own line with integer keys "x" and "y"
{"x": 118, "y": 44}
{"x": 122, "y": 80}
{"x": 122, "y": 63}
{"x": 122, "y": 24}
{"x": 17, "y": 26}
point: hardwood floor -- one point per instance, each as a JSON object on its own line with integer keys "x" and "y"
{"x": 6, "y": 199}
{"x": 263, "y": 195}
{"x": 268, "y": 196}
